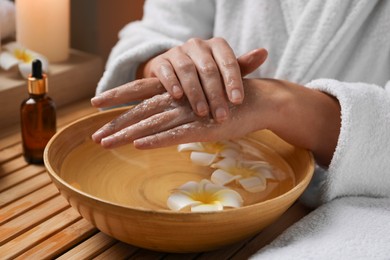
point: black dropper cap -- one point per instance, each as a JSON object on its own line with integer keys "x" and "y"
{"x": 37, "y": 69}
{"x": 37, "y": 82}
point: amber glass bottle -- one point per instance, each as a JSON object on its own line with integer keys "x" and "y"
{"x": 37, "y": 116}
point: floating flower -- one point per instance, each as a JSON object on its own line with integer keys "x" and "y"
{"x": 206, "y": 153}
{"x": 15, "y": 54}
{"x": 251, "y": 175}
{"x": 247, "y": 148}
{"x": 203, "y": 196}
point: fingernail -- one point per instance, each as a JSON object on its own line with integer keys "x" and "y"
{"x": 220, "y": 114}
{"x": 138, "y": 143}
{"x": 96, "y": 101}
{"x": 107, "y": 141}
{"x": 236, "y": 96}
{"x": 97, "y": 136}
{"x": 201, "y": 108}
{"x": 177, "y": 91}
{"x": 141, "y": 143}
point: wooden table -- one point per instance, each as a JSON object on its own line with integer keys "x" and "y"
{"x": 38, "y": 223}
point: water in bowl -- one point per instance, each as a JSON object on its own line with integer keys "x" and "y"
{"x": 146, "y": 178}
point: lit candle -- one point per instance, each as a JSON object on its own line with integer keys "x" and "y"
{"x": 43, "y": 26}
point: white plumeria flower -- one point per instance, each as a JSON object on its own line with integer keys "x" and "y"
{"x": 203, "y": 196}
{"x": 206, "y": 153}
{"x": 249, "y": 149}
{"x": 251, "y": 175}
{"x": 15, "y": 54}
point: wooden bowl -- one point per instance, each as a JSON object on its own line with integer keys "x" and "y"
{"x": 123, "y": 191}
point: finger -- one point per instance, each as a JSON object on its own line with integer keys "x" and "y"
{"x": 190, "y": 132}
{"x": 189, "y": 80}
{"x": 132, "y": 91}
{"x": 145, "y": 109}
{"x": 164, "y": 71}
{"x": 229, "y": 69}
{"x": 152, "y": 125}
{"x": 252, "y": 60}
{"x": 210, "y": 78}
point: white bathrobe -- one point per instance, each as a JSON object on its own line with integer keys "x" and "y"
{"x": 341, "y": 47}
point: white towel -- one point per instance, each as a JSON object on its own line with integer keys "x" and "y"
{"x": 345, "y": 228}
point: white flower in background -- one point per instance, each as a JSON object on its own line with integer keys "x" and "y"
{"x": 15, "y": 54}
{"x": 251, "y": 175}
{"x": 206, "y": 153}
{"x": 203, "y": 196}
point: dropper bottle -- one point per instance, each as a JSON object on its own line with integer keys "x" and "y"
{"x": 37, "y": 116}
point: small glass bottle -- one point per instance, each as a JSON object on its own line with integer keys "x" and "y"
{"x": 37, "y": 116}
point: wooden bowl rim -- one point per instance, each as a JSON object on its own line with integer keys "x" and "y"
{"x": 304, "y": 182}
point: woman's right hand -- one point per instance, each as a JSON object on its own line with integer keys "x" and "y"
{"x": 207, "y": 72}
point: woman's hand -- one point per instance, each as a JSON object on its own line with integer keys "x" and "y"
{"x": 301, "y": 116}
{"x": 207, "y": 72}
{"x": 161, "y": 120}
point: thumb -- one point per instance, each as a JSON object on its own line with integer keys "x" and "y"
{"x": 252, "y": 60}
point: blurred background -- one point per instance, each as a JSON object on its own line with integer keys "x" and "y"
{"x": 95, "y": 23}
{"x": 92, "y": 31}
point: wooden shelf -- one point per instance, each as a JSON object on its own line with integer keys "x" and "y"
{"x": 69, "y": 81}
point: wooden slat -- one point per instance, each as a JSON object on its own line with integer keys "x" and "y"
{"x": 89, "y": 248}
{"x": 144, "y": 254}
{"x": 36, "y": 215}
{"x": 19, "y": 176}
{"x": 188, "y": 256}
{"x": 36, "y": 235}
{"x": 24, "y": 188}
{"x": 10, "y": 136}
{"x": 25, "y": 203}
{"x": 119, "y": 250}
{"x": 12, "y": 165}
{"x": 10, "y": 152}
{"x": 61, "y": 241}
{"x": 225, "y": 252}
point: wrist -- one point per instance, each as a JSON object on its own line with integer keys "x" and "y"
{"x": 307, "y": 118}
{"x": 327, "y": 128}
